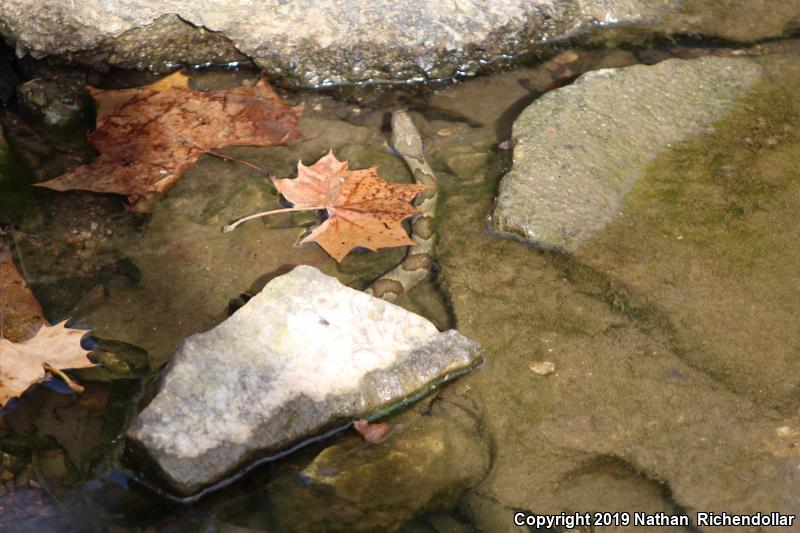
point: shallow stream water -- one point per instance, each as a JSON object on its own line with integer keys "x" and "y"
{"x": 143, "y": 282}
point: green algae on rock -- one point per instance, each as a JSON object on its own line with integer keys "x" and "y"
{"x": 704, "y": 236}
{"x": 671, "y": 331}
{"x": 303, "y": 356}
{"x": 580, "y": 148}
{"x": 624, "y": 422}
{"x": 425, "y": 464}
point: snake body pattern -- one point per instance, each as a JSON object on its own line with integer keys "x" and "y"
{"x": 419, "y": 260}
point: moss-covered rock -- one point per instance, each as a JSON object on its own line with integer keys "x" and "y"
{"x": 425, "y": 464}
{"x": 704, "y": 241}
{"x": 671, "y": 333}
{"x": 580, "y": 148}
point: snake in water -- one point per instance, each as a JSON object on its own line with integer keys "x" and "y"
{"x": 419, "y": 260}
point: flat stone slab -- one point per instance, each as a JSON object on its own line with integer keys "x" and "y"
{"x": 580, "y": 148}
{"x": 305, "y": 355}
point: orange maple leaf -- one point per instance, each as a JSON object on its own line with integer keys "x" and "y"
{"x": 149, "y": 136}
{"x": 363, "y": 210}
{"x": 23, "y": 363}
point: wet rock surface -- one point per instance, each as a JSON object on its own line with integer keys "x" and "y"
{"x": 309, "y": 42}
{"x": 672, "y": 390}
{"x": 59, "y": 102}
{"x": 579, "y": 149}
{"x": 304, "y": 355}
{"x": 701, "y": 243}
{"x": 430, "y": 457}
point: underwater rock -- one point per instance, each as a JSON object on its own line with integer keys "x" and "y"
{"x": 303, "y": 356}
{"x": 426, "y": 463}
{"x": 580, "y": 148}
{"x": 669, "y": 331}
{"x": 326, "y": 42}
{"x": 59, "y": 101}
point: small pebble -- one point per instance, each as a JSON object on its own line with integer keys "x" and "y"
{"x": 543, "y": 368}
{"x": 565, "y": 58}
{"x": 372, "y": 433}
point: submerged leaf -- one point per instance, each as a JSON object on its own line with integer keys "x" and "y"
{"x": 23, "y": 354}
{"x": 20, "y": 312}
{"x": 149, "y": 136}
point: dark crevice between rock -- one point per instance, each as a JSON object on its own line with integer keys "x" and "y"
{"x": 690, "y": 40}
{"x": 181, "y": 44}
{"x": 8, "y": 75}
{"x": 619, "y": 467}
{"x": 645, "y": 315}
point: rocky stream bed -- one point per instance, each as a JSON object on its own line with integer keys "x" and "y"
{"x": 617, "y": 231}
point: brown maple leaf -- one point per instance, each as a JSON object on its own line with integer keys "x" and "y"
{"x": 20, "y": 313}
{"x": 149, "y": 136}
{"x": 363, "y": 210}
{"x": 23, "y": 363}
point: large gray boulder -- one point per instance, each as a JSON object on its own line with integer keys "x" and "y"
{"x": 320, "y": 42}
{"x": 580, "y": 148}
{"x": 305, "y": 355}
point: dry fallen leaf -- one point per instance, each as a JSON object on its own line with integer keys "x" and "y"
{"x": 149, "y": 136}
{"x": 363, "y": 210}
{"x": 372, "y": 433}
{"x": 22, "y": 363}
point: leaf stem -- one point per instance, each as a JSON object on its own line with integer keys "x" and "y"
{"x": 240, "y": 161}
{"x": 231, "y": 227}
{"x": 71, "y": 384}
